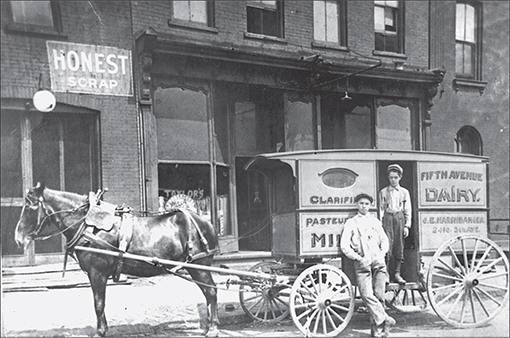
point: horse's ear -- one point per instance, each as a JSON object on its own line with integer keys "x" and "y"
{"x": 39, "y": 187}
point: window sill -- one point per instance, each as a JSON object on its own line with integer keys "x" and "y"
{"x": 33, "y": 30}
{"x": 469, "y": 83}
{"x": 248, "y": 35}
{"x": 329, "y": 45}
{"x": 390, "y": 54}
{"x": 191, "y": 25}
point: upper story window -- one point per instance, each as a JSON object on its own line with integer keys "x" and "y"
{"x": 467, "y": 41}
{"x": 198, "y": 12}
{"x": 44, "y": 14}
{"x": 468, "y": 141}
{"x": 265, "y": 17}
{"x": 389, "y": 26}
{"x": 330, "y": 22}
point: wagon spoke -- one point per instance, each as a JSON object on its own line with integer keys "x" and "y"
{"x": 473, "y": 258}
{"x": 493, "y": 286}
{"x": 340, "y": 318}
{"x": 462, "y": 311}
{"x": 457, "y": 260}
{"x": 454, "y": 305}
{"x": 315, "y": 292}
{"x": 330, "y": 319}
{"x": 450, "y": 267}
{"x": 488, "y": 267}
{"x": 306, "y": 312}
{"x": 449, "y": 277}
{"x": 482, "y": 259}
{"x": 312, "y": 292}
{"x": 444, "y": 287}
{"x": 493, "y": 275}
{"x": 472, "y": 305}
{"x": 324, "y": 326}
{"x": 460, "y": 288}
{"x": 481, "y": 303}
{"x": 252, "y": 298}
{"x": 489, "y": 296}
{"x": 311, "y": 317}
{"x": 317, "y": 321}
{"x": 464, "y": 252}
{"x": 343, "y": 308}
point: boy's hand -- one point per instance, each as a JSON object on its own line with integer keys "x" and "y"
{"x": 406, "y": 232}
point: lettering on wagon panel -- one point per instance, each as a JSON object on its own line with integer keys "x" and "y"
{"x": 443, "y": 184}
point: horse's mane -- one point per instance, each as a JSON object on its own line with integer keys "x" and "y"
{"x": 60, "y": 196}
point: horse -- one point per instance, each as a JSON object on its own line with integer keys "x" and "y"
{"x": 166, "y": 236}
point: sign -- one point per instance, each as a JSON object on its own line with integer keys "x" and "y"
{"x": 452, "y": 185}
{"x": 438, "y": 227}
{"x": 320, "y": 232}
{"x": 89, "y": 69}
{"x": 334, "y": 184}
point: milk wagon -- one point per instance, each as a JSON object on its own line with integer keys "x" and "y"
{"x": 447, "y": 255}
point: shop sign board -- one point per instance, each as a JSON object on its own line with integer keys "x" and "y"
{"x": 330, "y": 184}
{"x": 320, "y": 232}
{"x": 437, "y": 227}
{"x": 90, "y": 69}
{"x": 452, "y": 185}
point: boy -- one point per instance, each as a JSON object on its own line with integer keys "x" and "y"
{"x": 364, "y": 241}
{"x": 395, "y": 212}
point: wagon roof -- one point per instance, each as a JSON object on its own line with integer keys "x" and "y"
{"x": 272, "y": 161}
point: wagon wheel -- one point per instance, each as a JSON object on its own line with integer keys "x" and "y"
{"x": 263, "y": 300}
{"x": 408, "y": 299}
{"x": 468, "y": 281}
{"x": 322, "y": 301}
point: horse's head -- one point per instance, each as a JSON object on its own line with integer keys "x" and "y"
{"x": 32, "y": 215}
{"x": 44, "y": 207}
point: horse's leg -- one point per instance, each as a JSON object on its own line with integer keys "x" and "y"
{"x": 211, "y": 298}
{"x": 98, "y": 282}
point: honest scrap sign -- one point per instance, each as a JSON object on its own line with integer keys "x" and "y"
{"x": 90, "y": 69}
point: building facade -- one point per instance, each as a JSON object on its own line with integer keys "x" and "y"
{"x": 163, "y": 101}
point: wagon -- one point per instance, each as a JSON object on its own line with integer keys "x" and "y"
{"x": 450, "y": 263}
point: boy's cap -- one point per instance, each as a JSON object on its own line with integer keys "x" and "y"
{"x": 396, "y": 167}
{"x": 360, "y": 196}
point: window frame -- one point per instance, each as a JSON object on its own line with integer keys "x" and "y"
{"x": 472, "y": 135}
{"x": 476, "y": 63}
{"x": 341, "y": 26}
{"x": 399, "y": 30}
{"x": 280, "y": 24}
{"x": 209, "y": 25}
{"x": 57, "y": 28}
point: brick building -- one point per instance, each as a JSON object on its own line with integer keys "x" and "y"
{"x": 210, "y": 84}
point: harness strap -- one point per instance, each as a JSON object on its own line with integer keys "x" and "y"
{"x": 204, "y": 241}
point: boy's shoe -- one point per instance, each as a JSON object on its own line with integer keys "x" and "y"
{"x": 388, "y": 323}
{"x": 376, "y": 331}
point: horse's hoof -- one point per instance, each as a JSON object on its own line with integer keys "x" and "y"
{"x": 213, "y": 332}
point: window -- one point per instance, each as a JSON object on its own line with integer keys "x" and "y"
{"x": 367, "y": 122}
{"x": 330, "y": 22}
{"x": 199, "y": 12}
{"x": 467, "y": 47}
{"x": 265, "y": 17}
{"x": 468, "y": 141}
{"x": 389, "y": 26}
{"x": 36, "y": 13}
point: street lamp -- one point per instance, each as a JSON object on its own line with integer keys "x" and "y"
{"x": 44, "y": 100}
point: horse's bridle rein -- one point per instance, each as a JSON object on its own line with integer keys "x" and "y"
{"x": 42, "y": 210}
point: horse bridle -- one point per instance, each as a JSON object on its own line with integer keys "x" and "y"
{"x": 43, "y": 210}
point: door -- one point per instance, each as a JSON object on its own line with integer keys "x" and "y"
{"x": 254, "y": 223}
{"x": 60, "y": 150}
